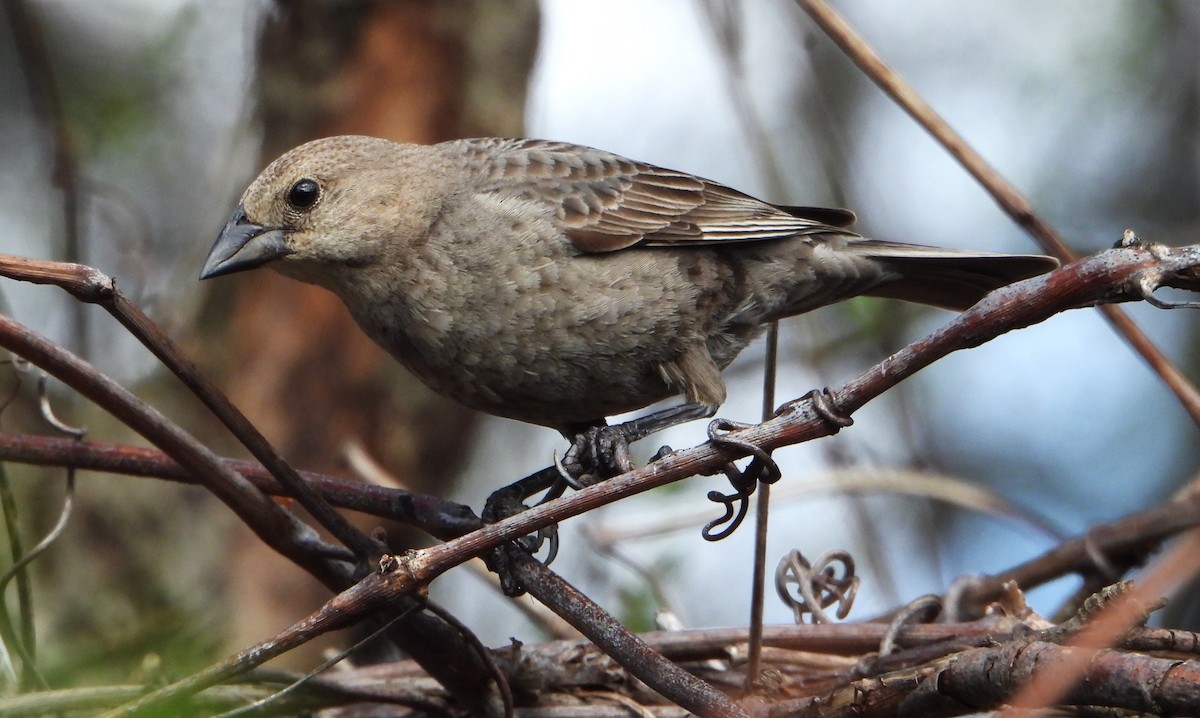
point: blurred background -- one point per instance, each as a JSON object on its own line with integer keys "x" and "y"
{"x": 129, "y": 128}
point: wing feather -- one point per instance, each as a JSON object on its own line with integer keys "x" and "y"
{"x": 606, "y": 202}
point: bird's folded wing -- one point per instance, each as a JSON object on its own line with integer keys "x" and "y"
{"x": 607, "y": 202}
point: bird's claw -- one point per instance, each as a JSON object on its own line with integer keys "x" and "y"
{"x": 597, "y": 453}
{"x": 503, "y": 559}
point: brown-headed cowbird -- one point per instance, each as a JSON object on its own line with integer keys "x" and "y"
{"x": 559, "y": 284}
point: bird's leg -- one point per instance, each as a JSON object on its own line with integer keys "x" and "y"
{"x": 599, "y": 451}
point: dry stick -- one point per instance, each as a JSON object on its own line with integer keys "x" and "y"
{"x": 92, "y": 286}
{"x": 1050, "y": 683}
{"x": 1131, "y": 536}
{"x": 1004, "y": 193}
{"x": 651, "y": 667}
{"x": 435, "y": 516}
{"x": 727, "y": 33}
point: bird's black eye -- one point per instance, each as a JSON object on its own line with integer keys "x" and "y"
{"x": 303, "y": 194}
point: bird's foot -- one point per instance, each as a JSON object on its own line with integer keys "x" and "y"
{"x": 510, "y": 501}
{"x": 600, "y": 451}
{"x": 596, "y": 453}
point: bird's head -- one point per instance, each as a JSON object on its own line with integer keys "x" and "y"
{"x": 325, "y": 207}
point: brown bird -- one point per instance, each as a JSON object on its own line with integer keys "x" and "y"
{"x": 558, "y": 284}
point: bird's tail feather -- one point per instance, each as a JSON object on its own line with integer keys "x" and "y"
{"x": 947, "y": 278}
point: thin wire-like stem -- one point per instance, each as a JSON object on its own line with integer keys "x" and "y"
{"x": 724, "y": 21}
{"x": 762, "y": 511}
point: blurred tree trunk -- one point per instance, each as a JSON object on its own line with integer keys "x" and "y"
{"x": 297, "y": 364}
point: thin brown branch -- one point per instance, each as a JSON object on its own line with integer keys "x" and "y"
{"x": 648, "y": 665}
{"x": 274, "y": 524}
{"x": 435, "y": 516}
{"x": 1003, "y": 192}
{"x": 762, "y": 515}
{"x": 983, "y": 679}
{"x": 1068, "y": 676}
{"x": 90, "y": 285}
{"x": 727, "y": 28}
{"x": 1127, "y": 539}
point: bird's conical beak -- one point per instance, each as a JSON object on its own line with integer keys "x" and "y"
{"x": 244, "y": 245}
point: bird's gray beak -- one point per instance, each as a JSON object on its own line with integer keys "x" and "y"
{"x": 244, "y": 245}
